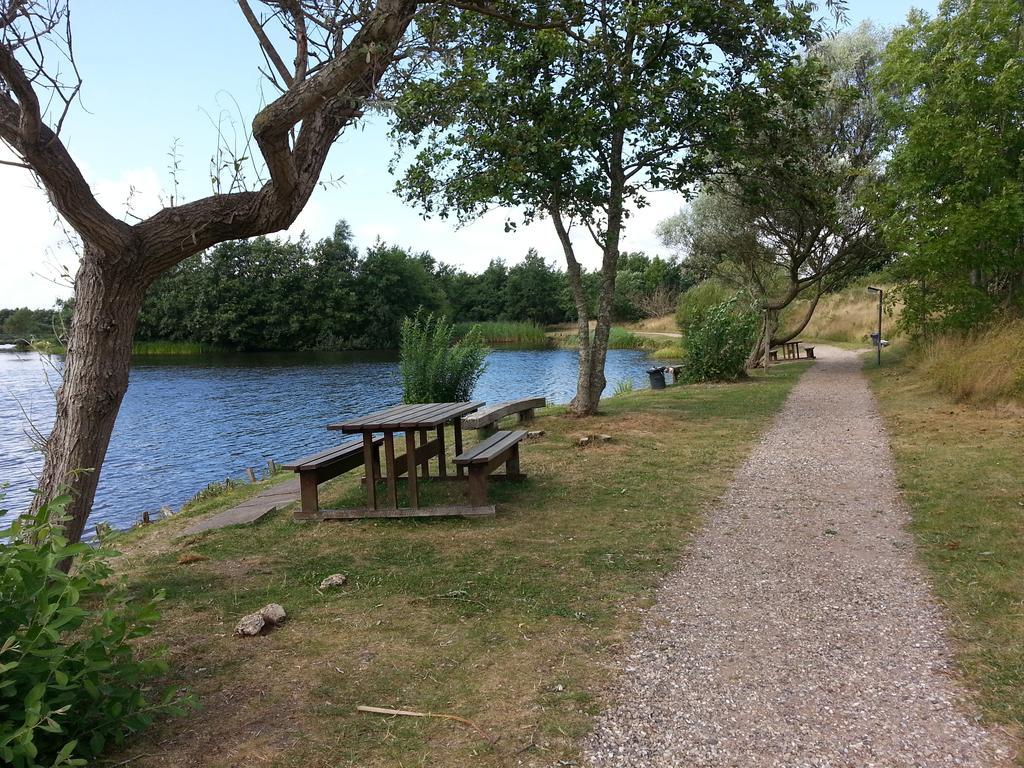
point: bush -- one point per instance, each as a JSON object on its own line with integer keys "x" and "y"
{"x": 70, "y": 680}
{"x": 434, "y": 370}
{"x": 717, "y": 349}
{"x": 695, "y": 303}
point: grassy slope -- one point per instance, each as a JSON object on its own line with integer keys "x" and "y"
{"x": 961, "y": 471}
{"x": 512, "y": 622}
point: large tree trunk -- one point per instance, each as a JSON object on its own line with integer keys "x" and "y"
{"x": 108, "y": 296}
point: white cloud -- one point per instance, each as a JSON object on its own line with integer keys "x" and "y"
{"x": 35, "y": 255}
{"x": 33, "y": 247}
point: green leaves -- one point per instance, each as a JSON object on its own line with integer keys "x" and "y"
{"x": 69, "y": 678}
{"x": 952, "y": 201}
{"x": 581, "y": 118}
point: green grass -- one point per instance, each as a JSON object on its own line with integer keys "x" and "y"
{"x": 512, "y": 622}
{"x": 508, "y": 334}
{"x": 960, "y": 470}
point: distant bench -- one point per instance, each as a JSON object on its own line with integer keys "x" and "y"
{"x": 483, "y": 458}
{"x": 486, "y": 419}
{"x": 320, "y": 467}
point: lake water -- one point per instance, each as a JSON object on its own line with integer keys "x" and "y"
{"x": 189, "y": 421}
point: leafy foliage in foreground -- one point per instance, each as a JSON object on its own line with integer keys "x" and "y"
{"x": 435, "y": 370}
{"x": 70, "y": 680}
{"x": 716, "y": 350}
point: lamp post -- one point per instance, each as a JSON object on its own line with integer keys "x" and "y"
{"x": 878, "y": 341}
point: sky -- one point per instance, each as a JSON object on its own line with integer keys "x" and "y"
{"x": 155, "y": 79}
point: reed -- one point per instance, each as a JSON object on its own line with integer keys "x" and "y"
{"x": 669, "y": 352}
{"x": 170, "y": 348}
{"x": 508, "y": 334}
{"x": 618, "y": 338}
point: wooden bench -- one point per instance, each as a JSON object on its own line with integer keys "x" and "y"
{"x": 484, "y": 421}
{"x": 486, "y": 456}
{"x": 810, "y": 352}
{"x": 321, "y": 467}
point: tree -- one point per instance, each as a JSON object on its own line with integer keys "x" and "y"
{"x": 572, "y": 124}
{"x": 786, "y": 219}
{"x": 342, "y": 50}
{"x": 20, "y": 324}
{"x": 532, "y": 291}
{"x": 952, "y": 201}
{"x": 391, "y": 285}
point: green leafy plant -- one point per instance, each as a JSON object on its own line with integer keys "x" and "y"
{"x": 434, "y": 368}
{"x": 71, "y": 680}
{"x": 717, "y": 348}
{"x": 695, "y": 303}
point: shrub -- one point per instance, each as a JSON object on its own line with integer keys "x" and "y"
{"x": 70, "y": 680}
{"x": 695, "y": 303}
{"x": 434, "y": 369}
{"x": 717, "y": 349}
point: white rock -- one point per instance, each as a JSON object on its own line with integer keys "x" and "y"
{"x": 533, "y": 434}
{"x": 273, "y": 614}
{"x": 334, "y": 580}
{"x": 250, "y": 625}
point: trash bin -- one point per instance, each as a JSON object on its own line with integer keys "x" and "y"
{"x": 874, "y": 339}
{"x": 657, "y": 377}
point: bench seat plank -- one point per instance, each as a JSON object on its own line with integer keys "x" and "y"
{"x": 498, "y": 411}
{"x": 329, "y": 455}
{"x": 484, "y": 451}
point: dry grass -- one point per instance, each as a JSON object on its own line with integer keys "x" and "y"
{"x": 848, "y": 316}
{"x": 666, "y": 324}
{"x": 510, "y": 622}
{"x": 981, "y": 368}
{"x": 960, "y": 470}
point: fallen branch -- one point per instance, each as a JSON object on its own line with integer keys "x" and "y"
{"x": 407, "y": 713}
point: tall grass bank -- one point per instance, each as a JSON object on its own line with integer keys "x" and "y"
{"x": 982, "y": 367}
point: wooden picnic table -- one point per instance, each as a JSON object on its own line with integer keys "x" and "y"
{"x": 791, "y": 350}
{"x": 413, "y": 420}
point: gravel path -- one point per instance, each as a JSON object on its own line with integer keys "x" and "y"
{"x": 799, "y": 630}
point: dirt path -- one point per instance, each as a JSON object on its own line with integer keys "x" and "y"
{"x": 799, "y": 630}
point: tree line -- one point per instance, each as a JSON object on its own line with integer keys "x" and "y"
{"x": 279, "y": 294}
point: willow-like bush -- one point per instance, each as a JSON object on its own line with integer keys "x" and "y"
{"x": 436, "y": 369}
{"x": 717, "y": 348}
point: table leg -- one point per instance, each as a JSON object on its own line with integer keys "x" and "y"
{"x": 425, "y": 464}
{"x": 458, "y": 443}
{"x": 389, "y": 458}
{"x": 371, "y": 460}
{"x": 410, "y": 458}
{"x": 442, "y": 467}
